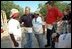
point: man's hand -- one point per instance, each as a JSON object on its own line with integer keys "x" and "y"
{"x": 22, "y": 24}
{"x": 16, "y": 44}
{"x": 14, "y": 41}
{"x": 54, "y": 23}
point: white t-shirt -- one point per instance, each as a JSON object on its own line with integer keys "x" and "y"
{"x": 65, "y": 41}
{"x": 49, "y": 26}
{"x": 37, "y": 26}
{"x": 14, "y": 27}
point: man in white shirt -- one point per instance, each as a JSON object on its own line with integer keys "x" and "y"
{"x": 38, "y": 29}
{"x": 14, "y": 29}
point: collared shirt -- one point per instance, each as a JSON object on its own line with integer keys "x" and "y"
{"x": 52, "y": 15}
{"x": 14, "y": 27}
{"x": 37, "y": 25}
{"x": 27, "y": 19}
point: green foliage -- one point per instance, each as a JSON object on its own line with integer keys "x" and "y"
{"x": 42, "y": 9}
{"x": 61, "y": 6}
{"x": 8, "y": 5}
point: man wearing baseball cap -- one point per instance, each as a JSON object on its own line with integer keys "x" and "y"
{"x": 14, "y": 29}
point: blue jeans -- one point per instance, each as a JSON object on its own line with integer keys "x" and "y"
{"x": 40, "y": 39}
{"x": 29, "y": 40}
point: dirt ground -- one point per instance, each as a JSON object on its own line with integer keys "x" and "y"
{"x": 6, "y": 43}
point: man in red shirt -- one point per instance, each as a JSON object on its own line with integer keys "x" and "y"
{"x": 53, "y": 15}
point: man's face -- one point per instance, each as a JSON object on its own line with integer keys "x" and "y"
{"x": 40, "y": 14}
{"x": 27, "y": 11}
{"x": 48, "y": 6}
{"x": 16, "y": 15}
{"x": 36, "y": 16}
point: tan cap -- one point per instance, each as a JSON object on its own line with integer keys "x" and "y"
{"x": 13, "y": 11}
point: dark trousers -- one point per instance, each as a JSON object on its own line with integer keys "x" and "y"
{"x": 49, "y": 32}
{"x": 49, "y": 39}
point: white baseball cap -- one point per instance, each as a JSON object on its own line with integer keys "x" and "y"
{"x": 13, "y": 11}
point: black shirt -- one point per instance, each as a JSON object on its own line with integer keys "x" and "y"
{"x": 65, "y": 17}
{"x": 27, "y": 19}
{"x": 69, "y": 16}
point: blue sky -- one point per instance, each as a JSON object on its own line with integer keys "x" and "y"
{"x": 32, "y": 4}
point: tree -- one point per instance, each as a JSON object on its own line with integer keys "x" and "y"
{"x": 42, "y": 9}
{"x": 60, "y": 5}
{"x": 8, "y": 5}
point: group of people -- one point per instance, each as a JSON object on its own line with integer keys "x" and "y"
{"x": 58, "y": 26}
{"x": 33, "y": 24}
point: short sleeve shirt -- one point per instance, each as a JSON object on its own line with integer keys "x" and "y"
{"x": 27, "y": 19}
{"x": 14, "y": 27}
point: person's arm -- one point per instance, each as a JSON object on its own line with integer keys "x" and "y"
{"x": 59, "y": 14}
{"x": 58, "y": 19}
{"x": 11, "y": 30}
{"x": 43, "y": 29}
{"x": 43, "y": 25}
{"x": 21, "y": 21}
{"x": 14, "y": 41}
